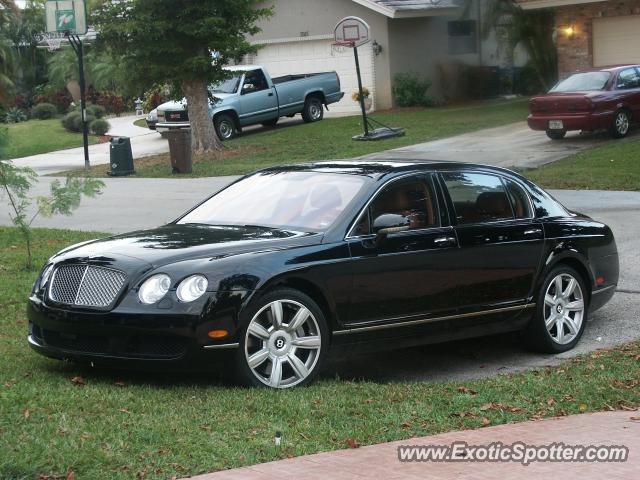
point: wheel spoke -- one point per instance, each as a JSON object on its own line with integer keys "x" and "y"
{"x": 549, "y": 300}
{"x": 298, "y": 366}
{"x": 258, "y": 330}
{"x": 258, "y": 358}
{"x": 311, "y": 342}
{"x": 573, "y": 328}
{"x": 558, "y": 283}
{"x": 560, "y": 329}
{"x": 570, "y": 288}
{"x": 298, "y": 320}
{"x": 577, "y": 305}
{"x": 276, "y": 314}
{"x": 549, "y": 322}
{"x": 276, "y": 372}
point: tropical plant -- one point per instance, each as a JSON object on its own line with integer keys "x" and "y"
{"x": 44, "y": 111}
{"x": 16, "y": 183}
{"x": 8, "y": 12}
{"x": 198, "y": 40}
{"x": 15, "y": 115}
{"x": 355, "y": 96}
{"x": 533, "y": 29}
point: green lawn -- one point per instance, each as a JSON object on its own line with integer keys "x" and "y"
{"x": 40, "y": 136}
{"x": 141, "y": 122}
{"x": 57, "y": 418}
{"x": 615, "y": 166}
{"x": 331, "y": 138}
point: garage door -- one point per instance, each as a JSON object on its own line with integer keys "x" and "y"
{"x": 314, "y": 56}
{"x": 616, "y": 40}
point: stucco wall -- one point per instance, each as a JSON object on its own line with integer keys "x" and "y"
{"x": 314, "y": 18}
{"x": 576, "y": 53}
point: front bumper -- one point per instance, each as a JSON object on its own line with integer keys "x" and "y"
{"x": 162, "y": 339}
{"x": 151, "y": 124}
{"x": 165, "y": 126}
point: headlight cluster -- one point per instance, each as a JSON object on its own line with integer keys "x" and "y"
{"x": 156, "y": 287}
{"x": 46, "y": 274}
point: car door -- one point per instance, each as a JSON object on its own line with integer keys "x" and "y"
{"x": 258, "y": 101}
{"x": 501, "y": 242}
{"x": 408, "y": 274}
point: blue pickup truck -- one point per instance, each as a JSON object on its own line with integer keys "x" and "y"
{"x": 252, "y": 97}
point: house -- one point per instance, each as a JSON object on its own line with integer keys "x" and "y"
{"x": 593, "y": 33}
{"x": 421, "y": 36}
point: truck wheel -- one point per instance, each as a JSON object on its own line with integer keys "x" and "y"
{"x": 225, "y": 127}
{"x": 556, "y": 134}
{"x": 312, "y": 111}
{"x": 620, "y": 126}
{"x": 270, "y": 123}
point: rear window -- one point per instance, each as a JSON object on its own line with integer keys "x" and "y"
{"x": 579, "y": 82}
{"x": 478, "y": 197}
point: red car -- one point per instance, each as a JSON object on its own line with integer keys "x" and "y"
{"x": 604, "y": 98}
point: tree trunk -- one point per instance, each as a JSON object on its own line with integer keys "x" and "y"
{"x": 203, "y": 135}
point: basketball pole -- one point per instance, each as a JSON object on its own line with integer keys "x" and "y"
{"x": 76, "y": 44}
{"x": 365, "y": 122}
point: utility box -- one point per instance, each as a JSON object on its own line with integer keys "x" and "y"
{"x": 120, "y": 157}
{"x": 180, "y": 150}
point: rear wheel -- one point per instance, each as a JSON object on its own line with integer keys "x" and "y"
{"x": 556, "y": 134}
{"x": 561, "y": 312}
{"x": 225, "y": 127}
{"x": 621, "y": 123}
{"x": 284, "y": 342}
{"x": 312, "y": 111}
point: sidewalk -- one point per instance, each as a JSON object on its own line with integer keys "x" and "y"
{"x": 381, "y": 461}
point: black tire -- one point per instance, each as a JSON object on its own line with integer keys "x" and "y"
{"x": 556, "y": 134}
{"x": 270, "y": 123}
{"x": 225, "y": 126}
{"x": 312, "y": 357}
{"x": 536, "y": 336}
{"x": 313, "y": 110}
{"x": 621, "y": 124}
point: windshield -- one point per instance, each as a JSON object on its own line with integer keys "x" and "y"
{"x": 306, "y": 201}
{"x": 229, "y": 85}
{"x": 580, "y": 82}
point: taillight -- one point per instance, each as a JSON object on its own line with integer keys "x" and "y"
{"x": 584, "y": 105}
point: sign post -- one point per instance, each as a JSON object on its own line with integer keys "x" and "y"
{"x": 353, "y": 32}
{"x": 69, "y": 18}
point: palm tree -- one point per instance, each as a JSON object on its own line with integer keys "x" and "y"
{"x": 8, "y": 11}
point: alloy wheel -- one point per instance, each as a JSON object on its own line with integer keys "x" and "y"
{"x": 282, "y": 344}
{"x": 564, "y": 308}
{"x": 225, "y": 129}
{"x": 315, "y": 110}
{"x": 622, "y": 123}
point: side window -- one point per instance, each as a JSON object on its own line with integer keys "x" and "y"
{"x": 628, "y": 78}
{"x": 519, "y": 199}
{"x": 477, "y": 197}
{"x": 412, "y": 200}
{"x": 254, "y": 81}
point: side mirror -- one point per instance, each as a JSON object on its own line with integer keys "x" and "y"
{"x": 390, "y": 223}
{"x": 248, "y": 88}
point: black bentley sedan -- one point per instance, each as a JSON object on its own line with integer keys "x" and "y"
{"x": 267, "y": 276}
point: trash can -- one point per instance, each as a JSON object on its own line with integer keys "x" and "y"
{"x": 180, "y": 150}
{"x": 120, "y": 157}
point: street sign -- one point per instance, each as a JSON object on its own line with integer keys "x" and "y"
{"x": 351, "y": 31}
{"x": 64, "y": 16}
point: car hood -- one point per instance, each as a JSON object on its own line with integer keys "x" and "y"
{"x": 178, "y": 105}
{"x": 173, "y": 243}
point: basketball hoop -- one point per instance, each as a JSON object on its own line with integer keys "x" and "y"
{"x": 52, "y": 41}
{"x": 340, "y": 47}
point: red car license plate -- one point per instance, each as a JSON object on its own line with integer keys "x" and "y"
{"x": 555, "y": 125}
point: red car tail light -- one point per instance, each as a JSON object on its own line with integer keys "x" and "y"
{"x": 584, "y": 105}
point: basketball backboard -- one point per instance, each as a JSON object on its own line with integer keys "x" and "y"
{"x": 66, "y": 16}
{"x": 351, "y": 30}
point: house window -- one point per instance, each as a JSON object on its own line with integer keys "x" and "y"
{"x": 462, "y": 37}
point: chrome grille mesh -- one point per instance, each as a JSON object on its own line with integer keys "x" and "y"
{"x": 85, "y": 285}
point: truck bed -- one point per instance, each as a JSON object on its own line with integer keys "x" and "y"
{"x": 290, "y": 78}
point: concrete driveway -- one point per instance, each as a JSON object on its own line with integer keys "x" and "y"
{"x": 511, "y": 146}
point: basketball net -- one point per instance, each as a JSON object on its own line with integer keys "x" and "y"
{"x": 51, "y": 41}
{"x": 338, "y": 48}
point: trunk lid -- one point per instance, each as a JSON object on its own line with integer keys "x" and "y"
{"x": 562, "y": 103}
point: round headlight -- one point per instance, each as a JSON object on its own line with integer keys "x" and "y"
{"x": 46, "y": 274}
{"x": 192, "y": 288}
{"x": 154, "y": 288}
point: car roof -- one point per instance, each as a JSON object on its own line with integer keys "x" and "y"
{"x": 383, "y": 167}
{"x": 608, "y": 68}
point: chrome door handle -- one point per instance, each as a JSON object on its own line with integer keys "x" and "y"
{"x": 444, "y": 241}
{"x": 533, "y": 231}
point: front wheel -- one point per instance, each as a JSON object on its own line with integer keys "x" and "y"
{"x": 561, "y": 312}
{"x": 284, "y": 342}
{"x": 225, "y": 127}
{"x": 556, "y": 134}
{"x": 621, "y": 123}
{"x": 312, "y": 111}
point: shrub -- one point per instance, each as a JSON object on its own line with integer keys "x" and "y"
{"x": 44, "y": 111}
{"x": 71, "y": 120}
{"x": 409, "y": 90}
{"x": 113, "y": 102}
{"x": 99, "y": 126}
{"x": 97, "y": 111}
{"x": 38, "y": 99}
{"x": 15, "y": 115}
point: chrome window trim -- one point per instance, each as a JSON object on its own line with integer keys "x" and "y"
{"x": 221, "y": 346}
{"x": 349, "y": 235}
{"x": 421, "y": 321}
